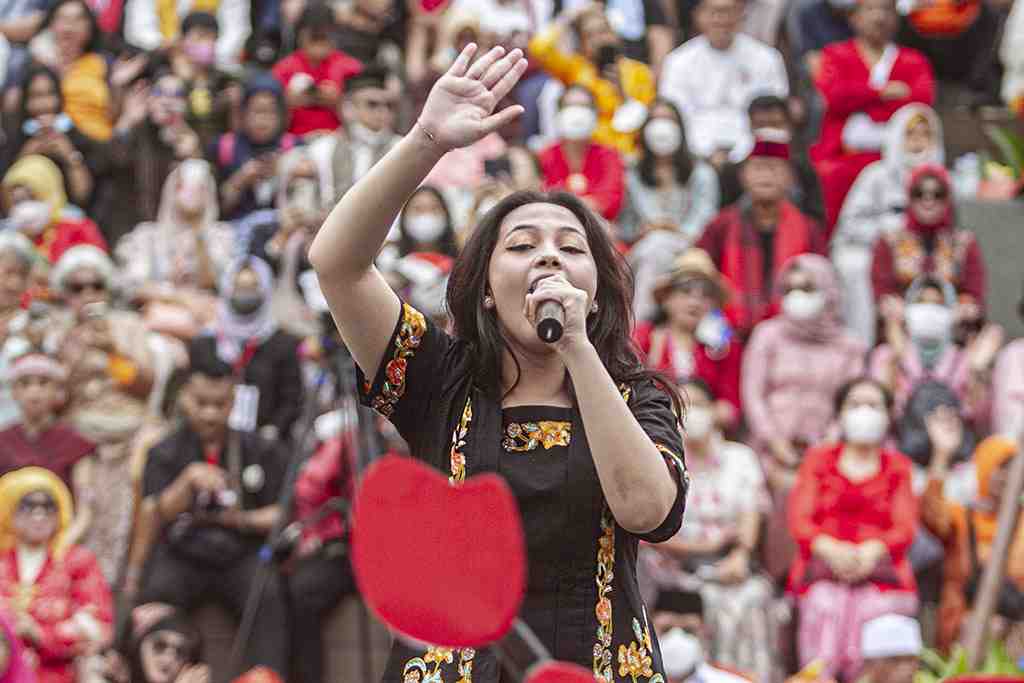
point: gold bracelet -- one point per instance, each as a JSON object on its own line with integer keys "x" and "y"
{"x": 426, "y": 131}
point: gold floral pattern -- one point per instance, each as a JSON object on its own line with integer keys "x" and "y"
{"x": 603, "y": 609}
{"x": 522, "y": 437}
{"x": 676, "y": 461}
{"x": 457, "y": 457}
{"x": 427, "y": 669}
{"x": 635, "y": 661}
{"x": 909, "y": 256}
{"x": 408, "y": 339}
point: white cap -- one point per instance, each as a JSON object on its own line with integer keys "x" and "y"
{"x": 892, "y": 635}
{"x": 681, "y": 653}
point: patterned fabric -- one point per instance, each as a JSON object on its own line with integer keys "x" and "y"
{"x": 406, "y": 343}
{"x": 528, "y": 436}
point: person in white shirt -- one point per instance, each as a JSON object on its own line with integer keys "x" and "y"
{"x": 713, "y": 77}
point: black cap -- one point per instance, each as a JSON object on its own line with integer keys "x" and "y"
{"x": 316, "y": 17}
{"x": 680, "y": 602}
{"x": 372, "y": 76}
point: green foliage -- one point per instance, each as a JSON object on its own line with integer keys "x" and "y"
{"x": 1010, "y": 146}
{"x": 935, "y": 669}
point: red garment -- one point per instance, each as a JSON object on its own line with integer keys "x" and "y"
{"x": 734, "y": 244}
{"x": 824, "y": 502}
{"x": 901, "y": 257}
{"x": 940, "y": 174}
{"x": 66, "y": 233}
{"x": 66, "y": 586}
{"x": 603, "y": 176}
{"x": 720, "y": 370}
{"x": 844, "y": 83}
{"x": 326, "y": 475}
{"x": 57, "y": 449}
{"x": 109, "y": 15}
{"x": 337, "y": 68}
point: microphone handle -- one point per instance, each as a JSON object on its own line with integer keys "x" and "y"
{"x": 550, "y": 321}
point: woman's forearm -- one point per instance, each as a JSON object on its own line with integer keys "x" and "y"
{"x": 636, "y": 481}
{"x": 347, "y": 244}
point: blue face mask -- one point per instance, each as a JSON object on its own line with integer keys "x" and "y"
{"x": 62, "y": 124}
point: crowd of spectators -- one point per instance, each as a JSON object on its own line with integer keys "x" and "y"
{"x": 172, "y": 389}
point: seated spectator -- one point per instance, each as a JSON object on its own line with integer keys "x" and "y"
{"x": 929, "y": 244}
{"x": 363, "y": 26}
{"x": 853, "y": 515}
{"x": 16, "y": 257}
{"x": 770, "y": 116}
{"x": 110, "y": 375}
{"x": 265, "y": 359}
{"x": 668, "y": 189}
{"x": 370, "y": 113}
{"x": 150, "y": 138}
{"x": 688, "y": 338}
{"x": 968, "y": 532}
{"x": 720, "y": 533}
{"x": 40, "y": 438}
{"x": 163, "y": 646}
{"x": 1007, "y": 385}
{"x": 684, "y": 638}
{"x": 891, "y": 647}
{"x": 15, "y": 665}
{"x": 620, "y": 87}
{"x": 750, "y": 241}
{"x": 713, "y": 78}
{"x": 818, "y": 23}
{"x": 314, "y": 76}
{"x": 864, "y": 81}
{"x": 37, "y": 207}
{"x": 20, "y": 21}
{"x": 210, "y": 94}
{"x": 930, "y": 398}
{"x": 215, "y": 491}
{"x": 578, "y": 164}
{"x": 40, "y": 126}
{"x": 876, "y": 206}
{"x": 54, "y": 589}
{"x": 246, "y": 160}
{"x": 152, "y": 25}
{"x": 170, "y": 267}
{"x": 1011, "y": 53}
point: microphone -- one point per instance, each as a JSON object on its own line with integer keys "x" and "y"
{"x": 550, "y": 321}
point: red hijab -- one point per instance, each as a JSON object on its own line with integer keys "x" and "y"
{"x": 942, "y": 176}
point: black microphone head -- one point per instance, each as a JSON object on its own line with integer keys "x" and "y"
{"x": 549, "y": 330}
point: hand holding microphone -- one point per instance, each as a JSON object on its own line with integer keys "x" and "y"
{"x": 551, "y": 306}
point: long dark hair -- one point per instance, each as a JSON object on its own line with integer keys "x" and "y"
{"x": 682, "y": 159}
{"x": 95, "y": 42}
{"x": 446, "y": 242}
{"x": 16, "y": 136}
{"x": 130, "y": 642}
{"x": 609, "y": 329}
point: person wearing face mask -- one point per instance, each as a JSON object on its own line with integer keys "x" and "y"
{"x": 853, "y": 515}
{"x": 577, "y": 164}
{"x": 792, "y": 367}
{"x": 37, "y": 207}
{"x": 426, "y": 249}
{"x": 683, "y": 632}
{"x": 265, "y": 358}
{"x": 668, "y": 189}
{"x": 716, "y": 545}
{"x": 876, "y": 206}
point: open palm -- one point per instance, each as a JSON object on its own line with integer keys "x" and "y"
{"x": 460, "y": 108}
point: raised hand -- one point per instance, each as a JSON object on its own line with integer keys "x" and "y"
{"x": 945, "y": 431}
{"x": 460, "y": 108}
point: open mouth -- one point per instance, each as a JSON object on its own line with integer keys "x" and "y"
{"x": 536, "y": 281}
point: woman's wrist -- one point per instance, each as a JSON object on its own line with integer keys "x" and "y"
{"x": 424, "y": 137}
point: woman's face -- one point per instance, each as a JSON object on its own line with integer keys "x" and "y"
{"x": 13, "y": 281}
{"x": 534, "y": 241}
{"x": 247, "y": 283}
{"x": 35, "y": 519}
{"x": 424, "y": 203}
{"x": 262, "y": 117}
{"x": 164, "y": 653}
{"x": 688, "y": 303}
{"x": 929, "y": 201}
{"x": 85, "y": 286}
{"x": 865, "y": 394}
{"x": 42, "y": 102}
{"x": 930, "y": 295}
{"x": 798, "y": 280}
{"x": 17, "y": 194}
{"x": 167, "y": 100}
{"x": 919, "y": 137}
{"x": 662, "y": 111}
{"x": 71, "y": 27}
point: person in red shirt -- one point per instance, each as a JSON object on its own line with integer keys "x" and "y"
{"x": 576, "y": 164}
{"x": 314, "y": 75}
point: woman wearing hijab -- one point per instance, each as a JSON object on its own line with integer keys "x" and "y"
{"x": 163, "y": 646}
{"x": 37, "y": 206}
{"x": 265, "y": 358}
{"x": 14, "y": 664}
{"x": 246, "y": 160}
{"x": 876, "y": 205}
{"x": 59, "y": 600}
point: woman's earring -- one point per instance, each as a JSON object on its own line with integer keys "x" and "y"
{"x": 594, "y": 307}
{"x": 488, "y": 301}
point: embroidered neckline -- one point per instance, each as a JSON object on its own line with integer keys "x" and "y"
{"x": 523, "y": 437}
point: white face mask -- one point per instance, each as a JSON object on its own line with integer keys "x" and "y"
{"x": 425, "y": 227}
{"x": 576, "y": 122}
{"x": 681, "y": 653}
{"x": 373, "y": 138}
{"x": 663, "y": 136}
{"x": 799, "y": 305}
{"x": 915, "y": 159}
{"x": 31, "y": 217}
{"x": 865, "y": 425}
{"x": 929, "y": 322}
{"x": 699, "y": 422}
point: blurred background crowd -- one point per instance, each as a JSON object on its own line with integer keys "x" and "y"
{"x": 777, "y": 174}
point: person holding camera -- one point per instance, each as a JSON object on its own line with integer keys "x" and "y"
{"x": 213, "y": 492}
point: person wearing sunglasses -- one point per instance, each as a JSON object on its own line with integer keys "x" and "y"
{"x": 110, "y": 367}
{"x": 930, "y": 244}
{"x": 162, "y": 645}
{"x": 60, "y": 602}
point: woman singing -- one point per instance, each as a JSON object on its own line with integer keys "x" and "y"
{"x": 588, "y": 442}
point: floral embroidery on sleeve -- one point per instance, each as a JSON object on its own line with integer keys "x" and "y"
{"x": 407, "y": 340}
{"x": 674, "y": 460}
{"x": 458, "y": 458}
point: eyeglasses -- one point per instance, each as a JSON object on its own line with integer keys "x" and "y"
{"x": 162, "y": 645}
{"x": 94, "y": 285}
{"x": 28, "y": 506}
{"x": 918, "y": 194}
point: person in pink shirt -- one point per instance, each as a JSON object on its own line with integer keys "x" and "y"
{"x": 314, "y": 75}
{"x": 1008, "y": 387}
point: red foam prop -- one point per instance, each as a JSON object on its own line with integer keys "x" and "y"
{"x": 559, "y": 672}
{"x": 438, "y": 563}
